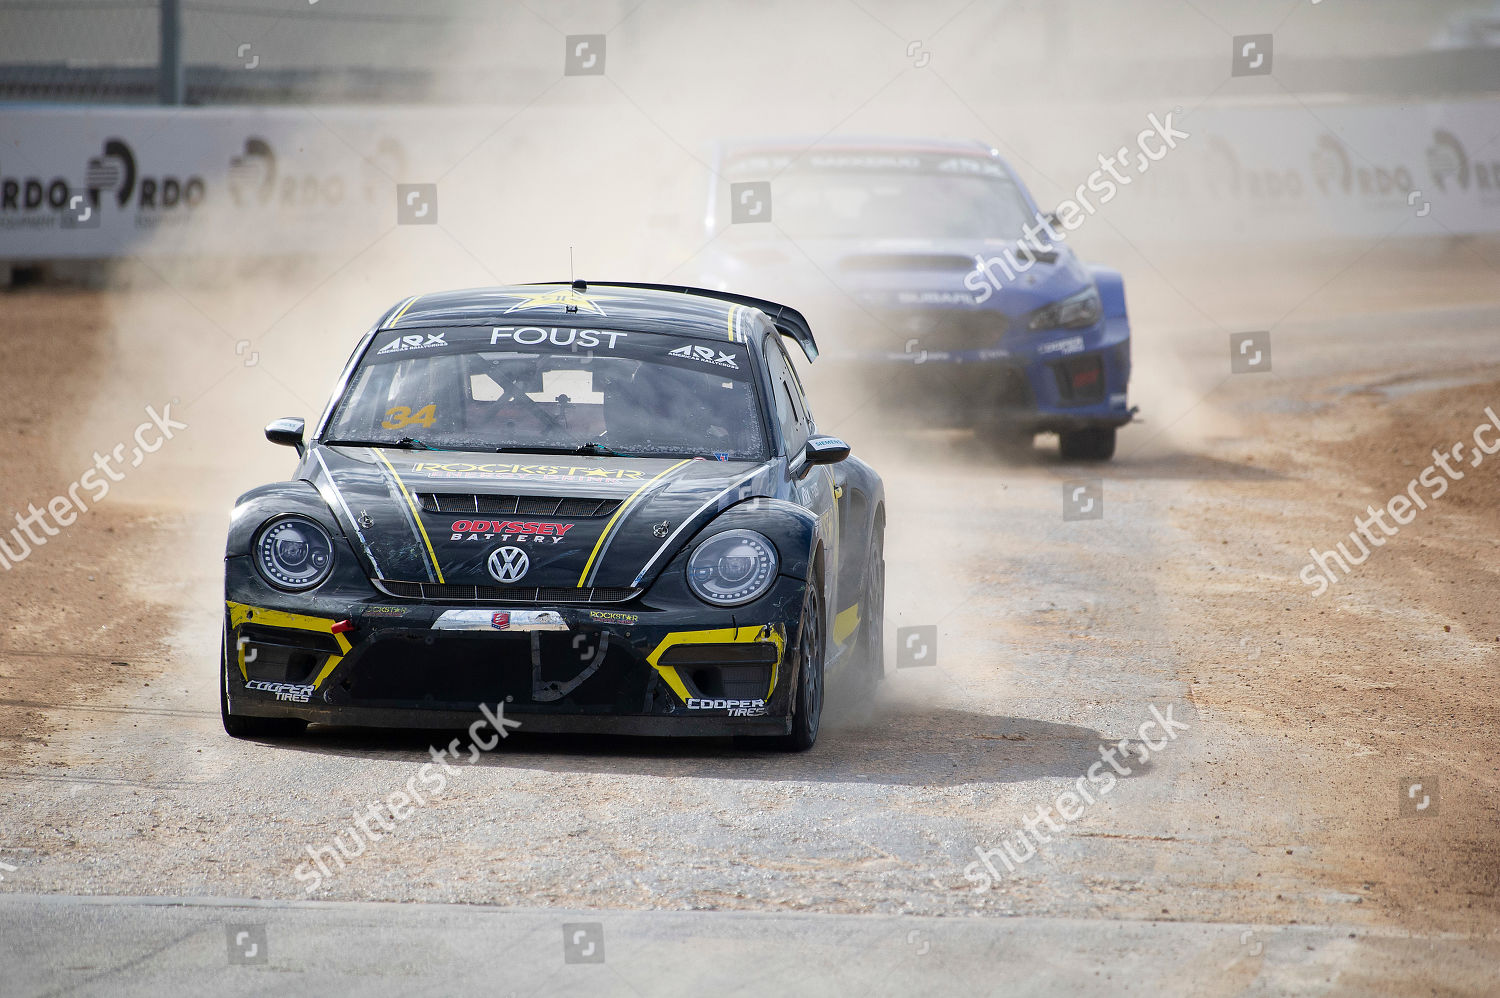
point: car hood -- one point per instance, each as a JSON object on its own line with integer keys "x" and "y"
{"x": 460, "y": 517}
{"x": 902, "y": 273}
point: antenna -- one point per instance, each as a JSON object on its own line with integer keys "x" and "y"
{"x": 570, "y": 265}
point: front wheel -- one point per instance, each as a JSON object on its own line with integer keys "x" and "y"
{"x": 807, "y": 702}
{"x": 1097, "y": 443}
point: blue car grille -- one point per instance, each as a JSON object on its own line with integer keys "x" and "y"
{"x": 941, "y": 329}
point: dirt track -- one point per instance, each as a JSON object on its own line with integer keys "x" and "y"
{"x": 1280, "y": 804}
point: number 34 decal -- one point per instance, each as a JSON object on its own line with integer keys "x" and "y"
{"x": 401, "y": 416}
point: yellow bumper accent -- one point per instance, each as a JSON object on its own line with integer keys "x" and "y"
{"x": 240, "y": 613}
{"x": 774, "y": 633}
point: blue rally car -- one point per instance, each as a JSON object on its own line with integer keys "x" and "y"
{"x": 942, "y": 289}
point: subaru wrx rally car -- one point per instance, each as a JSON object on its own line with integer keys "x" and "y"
{"x": 607, "y": 508}
{"x": 941, "y": 288}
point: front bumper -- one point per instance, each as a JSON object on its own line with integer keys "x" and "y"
{"x": 1043, "y": 382}
{"x": 631, "y": 669}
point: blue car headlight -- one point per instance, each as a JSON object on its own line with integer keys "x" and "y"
{"x": 293, "y": 552}
{"x": 731, "y": 568}
{"x": 1074, "y": 312}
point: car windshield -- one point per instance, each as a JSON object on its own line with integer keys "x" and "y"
{"x": 900, "y": 198}
{"x": 553, "y": 390}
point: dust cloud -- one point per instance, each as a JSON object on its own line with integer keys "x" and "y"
{"x": 542, "y": 175}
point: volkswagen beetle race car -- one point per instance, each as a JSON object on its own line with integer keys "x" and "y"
{"x": 941, "y": 288}
{"x": 607, "y": 508}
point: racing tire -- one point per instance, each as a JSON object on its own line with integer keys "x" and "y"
{"x": 807, "y": 701}
{"x": 240, "y": 726}
{"x": 1097, "y": 443}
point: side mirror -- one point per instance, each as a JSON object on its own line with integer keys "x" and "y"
{"x": 826, "y": 450}
{"x": 287, "y": 432}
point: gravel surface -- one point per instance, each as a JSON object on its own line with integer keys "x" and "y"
{"x": 1276, "y": 808}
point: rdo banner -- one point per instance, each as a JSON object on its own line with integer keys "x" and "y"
{"x": 103, "y": 182}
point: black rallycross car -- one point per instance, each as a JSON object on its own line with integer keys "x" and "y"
{"x": 607, "y": 508}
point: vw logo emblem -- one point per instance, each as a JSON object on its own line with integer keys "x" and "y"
{"x": 508, "y": 564}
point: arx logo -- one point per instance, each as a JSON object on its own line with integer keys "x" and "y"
{"x": 414, "y": 341}
{"x": 707, "y": 355}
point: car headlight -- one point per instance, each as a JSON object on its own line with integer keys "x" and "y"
{"x": 1074, "y": 312}
{"x": 731, "y": 568}
{"x": 293, "y": 552}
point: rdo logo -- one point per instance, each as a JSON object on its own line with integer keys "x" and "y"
{"x": 1336, "y": 173}
{"x": 114, "y": 172}
{"x": 258, "y": 178}
{"x": 33, "y": 193}
{"x": 1226, "y": 176}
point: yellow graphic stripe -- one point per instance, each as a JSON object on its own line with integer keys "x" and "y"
{"x": 416, "y": 514}
{"x": 240, "y": 613}
{"x": 729, "y": 321}
{"x": 845, "y": 624}
{"x": 717, "y": 636}
{"x": 397, "y": 318}
{"x": 604, "y": 536}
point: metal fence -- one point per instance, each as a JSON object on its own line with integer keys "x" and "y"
{"x": 255, "y": 51}
{"x": 367, "y": 51}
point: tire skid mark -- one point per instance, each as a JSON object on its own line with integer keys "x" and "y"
{"x": 106, "y": 781}
{"x": 107, "y": 708}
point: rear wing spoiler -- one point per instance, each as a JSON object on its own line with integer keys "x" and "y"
{"x": 788, "y": 321}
